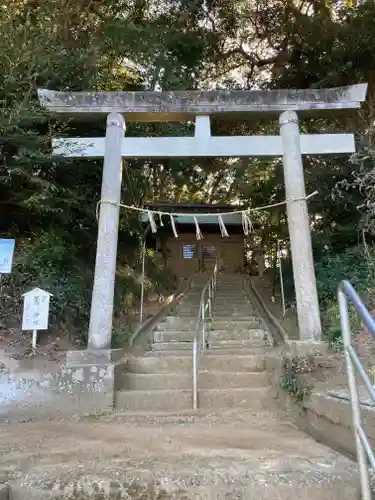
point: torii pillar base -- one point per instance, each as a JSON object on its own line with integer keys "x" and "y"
{"x": 90, "y": 378}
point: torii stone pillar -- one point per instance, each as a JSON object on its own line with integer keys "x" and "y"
{"x": 101, "y": 315}
{"x": 299, "y": 230}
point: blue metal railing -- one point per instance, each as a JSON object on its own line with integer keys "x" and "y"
{"x": 346, "y": 296}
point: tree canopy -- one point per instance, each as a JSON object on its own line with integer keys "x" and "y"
{"x": 49, "y": 203}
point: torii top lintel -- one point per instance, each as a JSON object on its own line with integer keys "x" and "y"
{"x": 175, "y": 106}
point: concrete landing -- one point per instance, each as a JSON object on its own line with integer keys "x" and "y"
{"x": 216, "y": 456}
{"x": 329, "y": 417}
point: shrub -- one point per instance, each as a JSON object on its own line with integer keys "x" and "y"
{"x": 352, "y": 265}
{"x": 50, "y": 262}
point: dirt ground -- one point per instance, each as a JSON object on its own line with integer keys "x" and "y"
{"x": 209, "y": 456}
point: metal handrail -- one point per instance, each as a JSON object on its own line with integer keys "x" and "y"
{"x": 280, "y": 266}
{"x": 347, "y": 293}
{"x": 204, "y": 324}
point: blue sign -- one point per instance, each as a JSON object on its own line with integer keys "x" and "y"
{"x": 6, "y": 255}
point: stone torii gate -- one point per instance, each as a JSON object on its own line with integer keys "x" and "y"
{"x": 121, "y": 107}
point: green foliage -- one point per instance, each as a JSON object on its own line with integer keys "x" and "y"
{"x": 156, "y": 266}
{"x": 295, "y": 388}
{"x": 121, "y": 336}
{"x": 52, "y": 262}
{"x": 353, "y": 265}
{"x": 292, "y": 379}
{"x": 49, "y": 203}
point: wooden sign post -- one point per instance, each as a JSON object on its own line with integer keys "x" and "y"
{"x": 35, "y": 312}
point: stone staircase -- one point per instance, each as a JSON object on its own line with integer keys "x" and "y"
{"x": 231, "y": 372}
{"x": 223, "y": 452}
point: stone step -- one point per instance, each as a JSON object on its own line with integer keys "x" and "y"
{"x": 228, "y": 361}
{"x": 218, "y": 314}
{"x": 234, "y": 380}
{"x": 231, "y": 360}
{"x": 183, "y": 381}
{"x": 175, "y": 400}
{"x": 235, "y": 296}
{"x": 246, "y": 309}
{"x": 232, "y": 303}
{"x": 153, "y": 363}
{"x": 249, "y": 322}
{"x": 214, "y": 344}
{"x": 236, "y": 346}
{"x": 234, "y": 287}
{"x": 228, "y": 310}
{"x": 171, "y": 320}
{"x": 255, "y": 349}
{"x": 228, "y": 334}
{"x": 240, "y": 298}
{"x": 156, "y": 381}
{"x": 251, "y": 398}
{"x": 161, "y": 400}
{"x": 189, "y": 319}
{"x": 186, "y": 324}
{"x": 237, "y": 334}
{"x": 172, "y": 346}
{"x": 233, "y": 291}
{"x": 174, "y": 335}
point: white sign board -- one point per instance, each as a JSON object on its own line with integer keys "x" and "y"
{"x": 6, "y": 255}
{"x": 36, "y": 310}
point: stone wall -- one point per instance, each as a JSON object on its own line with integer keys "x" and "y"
{"x": 85, "y": 384}
{"x": 318, "y": 403}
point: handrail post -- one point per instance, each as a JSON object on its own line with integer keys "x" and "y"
{"x": 203, "y": 327}
{"x": 281, "y": 277}
{"x": 195, "y": 374}
{"x": 354, "y": 398}
{"x": 199, "y": 343}
{"x": 210, "y": 300}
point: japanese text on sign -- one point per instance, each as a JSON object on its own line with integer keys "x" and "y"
{"x": 36, "y": 310}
